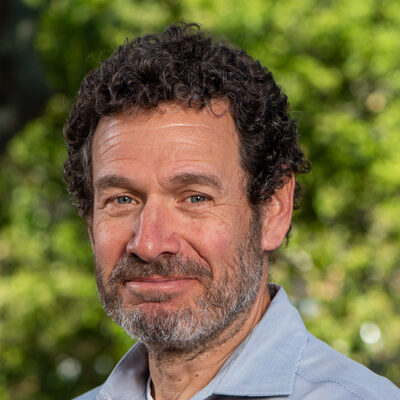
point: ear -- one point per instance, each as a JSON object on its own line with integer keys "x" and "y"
{"x": 89, "y": 222}
{"x": 278, "y": 216}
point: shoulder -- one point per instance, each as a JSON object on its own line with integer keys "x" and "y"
{"x": 324, "y": 373}
{"x": 91, "y": 395}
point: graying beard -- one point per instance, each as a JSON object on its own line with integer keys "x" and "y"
{"x": 184, "y": 330}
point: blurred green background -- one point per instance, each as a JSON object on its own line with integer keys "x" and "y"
{"x": 338, "y": 61}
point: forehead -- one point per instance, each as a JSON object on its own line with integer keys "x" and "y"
{"x": 169, "y": 135}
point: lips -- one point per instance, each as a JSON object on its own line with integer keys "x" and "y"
{"x": 166, "y": 276}
{"x": 158, "y": 283}
{"x": 157, "y": 278}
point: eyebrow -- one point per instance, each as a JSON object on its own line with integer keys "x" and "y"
{"x": 184, "y": 178}
{"x": 187, "y": 178}
{"x": 112, "y": 181}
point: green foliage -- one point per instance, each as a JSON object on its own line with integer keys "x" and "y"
{"x": 338, "y": 63}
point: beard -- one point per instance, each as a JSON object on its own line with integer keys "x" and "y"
{"x": 189, "y": 328}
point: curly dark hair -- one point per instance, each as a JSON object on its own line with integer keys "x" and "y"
{"x": 186, "y": 66}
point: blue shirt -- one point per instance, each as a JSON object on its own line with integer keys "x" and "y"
{"x": 279, "y": 360}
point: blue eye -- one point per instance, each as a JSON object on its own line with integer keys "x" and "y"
{"x": 124, "y": 200}
{"x": 197, "y": 199}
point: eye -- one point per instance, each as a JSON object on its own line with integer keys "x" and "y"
{"x": 124, "y": 200}
{"x": 198, "y": 198}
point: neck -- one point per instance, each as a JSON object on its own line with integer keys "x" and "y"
{"x": 181, "y": 375}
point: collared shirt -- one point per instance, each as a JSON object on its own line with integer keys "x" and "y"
{"x": 279, "y": 360}
{"x": 148, "y": 389}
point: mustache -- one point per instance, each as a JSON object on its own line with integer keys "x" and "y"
{"x": 131, "y": 267}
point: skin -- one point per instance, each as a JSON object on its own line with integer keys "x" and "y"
{"x": 169, "y": 182}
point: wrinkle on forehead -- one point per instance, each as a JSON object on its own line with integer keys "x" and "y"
{"x": 111, "y": 128}
{"x": 175, "y": 139}
{"x": 217, "y": 109}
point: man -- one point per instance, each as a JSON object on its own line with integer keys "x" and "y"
{"x": 182, "y": 160}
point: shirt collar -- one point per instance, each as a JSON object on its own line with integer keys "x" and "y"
{"x": 263, "y": 365}
{"x": 266, "y": 362}
{"x": 129, "y": 377}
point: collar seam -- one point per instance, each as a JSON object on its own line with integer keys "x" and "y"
{"x": 315, "y": 382}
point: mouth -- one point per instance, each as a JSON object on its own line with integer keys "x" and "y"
{"x": 158, "y": 283}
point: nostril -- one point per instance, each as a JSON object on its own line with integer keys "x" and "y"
{"x": 154, "y": 231}
{"x": 148, "y": 246}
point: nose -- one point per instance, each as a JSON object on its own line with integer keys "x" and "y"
{"x": 154, "y": 233}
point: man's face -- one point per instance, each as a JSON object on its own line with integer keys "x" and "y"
{"x": 177, "y": 246}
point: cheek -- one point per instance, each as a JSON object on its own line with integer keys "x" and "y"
{"x": 109, "y": 244}
{"x": 215, "y": 242}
